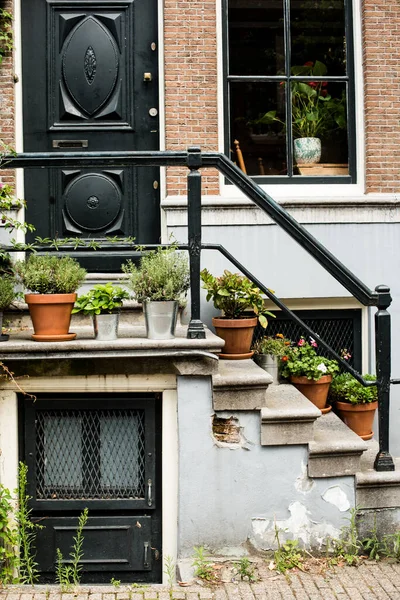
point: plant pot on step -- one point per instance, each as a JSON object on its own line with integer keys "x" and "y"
{"x": 160, "y": 319}
{"x": 358, "y": 417}
{"x": 238, "y": 335}
{"x": 315, "y": 390}
{"x": 269, "y": 363}
{"x": 106, "y": 327}
{"x": 51, "y": 316}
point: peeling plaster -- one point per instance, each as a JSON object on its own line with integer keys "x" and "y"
{"x": 336, "y": 496}
{"x": 298, "y": 526}
{"x": 304, "y": 483}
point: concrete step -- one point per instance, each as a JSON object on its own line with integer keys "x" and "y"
{"x": 335, "y": 449}
{"x": 239, "y": 385}
{"x": 377, "y": 489}
{"x": 288, "y": 417}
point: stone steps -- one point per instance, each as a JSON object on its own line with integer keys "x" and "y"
{"x": 377, "y": 489}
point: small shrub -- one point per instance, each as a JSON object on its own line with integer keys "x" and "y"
{"x": 50, "y": 274}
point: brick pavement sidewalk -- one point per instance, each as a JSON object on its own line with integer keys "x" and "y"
{"x": 369, "y": 581}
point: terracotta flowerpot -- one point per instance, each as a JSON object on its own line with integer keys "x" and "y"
{"x": 315, "y": 391}
{"x": 238, "y": 335}
{"x": 359, "y": 417}
{"x": 51, "y": 316}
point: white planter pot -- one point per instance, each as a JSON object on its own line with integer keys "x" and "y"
{"x": 106, "y": 327}
{"x": 160, "y": 318}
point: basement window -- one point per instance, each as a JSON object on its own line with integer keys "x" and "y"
{"x": 289, "y": 75}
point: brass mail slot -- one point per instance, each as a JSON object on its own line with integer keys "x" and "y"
{"x": 70, "y": 143}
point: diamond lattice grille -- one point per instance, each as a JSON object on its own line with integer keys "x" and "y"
{"x": 337, "y": 332}
{"x": 89, "y": 454}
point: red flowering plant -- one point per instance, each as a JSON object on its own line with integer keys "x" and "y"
{"x": 314, "y": 112}
{"x": 302, "y": 360}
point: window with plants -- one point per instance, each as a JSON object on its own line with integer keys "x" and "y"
{"x": 289, "y": 85}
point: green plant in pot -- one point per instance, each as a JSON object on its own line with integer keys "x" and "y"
{"x": 103, "y": 303}
{"x": 267, "y": 352}
{"x": 315, "y": 113}
{"x": 355, "y": 403}
{"x": 236, "y": 296}
{"x": 160, "y": 283}
{"x": 53, "y": 282}
{"x": 7, "y": 297}
{"x": 310, "y": 373}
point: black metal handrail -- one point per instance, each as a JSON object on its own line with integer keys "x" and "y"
{"x": 194, "y": 159}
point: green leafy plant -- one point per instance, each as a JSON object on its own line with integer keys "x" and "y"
{"x": 345, "y": 388}
{"x": 6, "y": 33}
{"x": 288, "y": 554}
{"x": 163, "y": 274}
{"x": 68, "y": 575}
{"x": 28, "y": 571}
{"x": 45, "y": 274}
{"x": 371, "y": 544}
{"x": 234, "y": 294}
{"x": 9, "y": 560}
{"x": 314, "y": 112}
{"x": 203, "y": 567}
{"x": 7, "y": 291}
{"x": 246, "y": 570}
{"x": 276, "y": 345}
{"x": 169, "y": 570}
{"x": 302, "y": 360}
{"x": 348, "y": 547}
{"x": 101, "y": 299}
{"x": 115, "y": 582}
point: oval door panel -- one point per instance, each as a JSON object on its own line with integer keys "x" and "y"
{"x": 90, "y": 65}
{"x": 92, "y": 201}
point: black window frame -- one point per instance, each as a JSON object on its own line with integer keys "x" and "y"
{"x": 348, "y": 79}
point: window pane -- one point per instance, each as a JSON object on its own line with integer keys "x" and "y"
{"x": 257, "y": 124}
{"x": 256, "y": 37}
{"x": 319, "y": 111}
{"x": 318, "y": 33}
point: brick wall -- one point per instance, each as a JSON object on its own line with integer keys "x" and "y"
{"x": 190, "y": 84}
{"x": 381, "y": 50}
{"x": 7, "y": 103}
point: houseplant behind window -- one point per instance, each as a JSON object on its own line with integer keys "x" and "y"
{"x": 53, "y": 282}
{"x": 160, "y": 283}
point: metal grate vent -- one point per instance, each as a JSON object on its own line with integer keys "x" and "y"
{"x": 90, "y": 454}
{"x": 340, "y": 331}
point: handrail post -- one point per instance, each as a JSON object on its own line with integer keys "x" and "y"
{"x": 196, "y": 327}
{"x": 383, "y": 460}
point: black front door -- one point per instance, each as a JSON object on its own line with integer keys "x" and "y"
{"x": 90, "y": 83}
{"x": 99, "y": 453}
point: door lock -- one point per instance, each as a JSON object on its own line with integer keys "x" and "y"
{"x": 153, "y": 112}
{"x": 147, "y": 77}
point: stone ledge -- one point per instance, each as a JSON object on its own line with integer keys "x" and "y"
{"x": 377, "y": 489}
{"x": 239, "y": 385}
{"x": 288, "y": 417}
{"x": 335, "y": 449}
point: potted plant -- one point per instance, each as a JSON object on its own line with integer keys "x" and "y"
{"x": 315, "y": 114}
{"x": 310, "y": 373}
{"x": 355, "y": 403}
{"x": 267, "y": 352}
{"x": 160, "y": 283}
{"x": 102, "y": 303}
{"x": 53, "y": 282}
{"x": 7, "y": 296}
{"x": 235, "y": 295}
